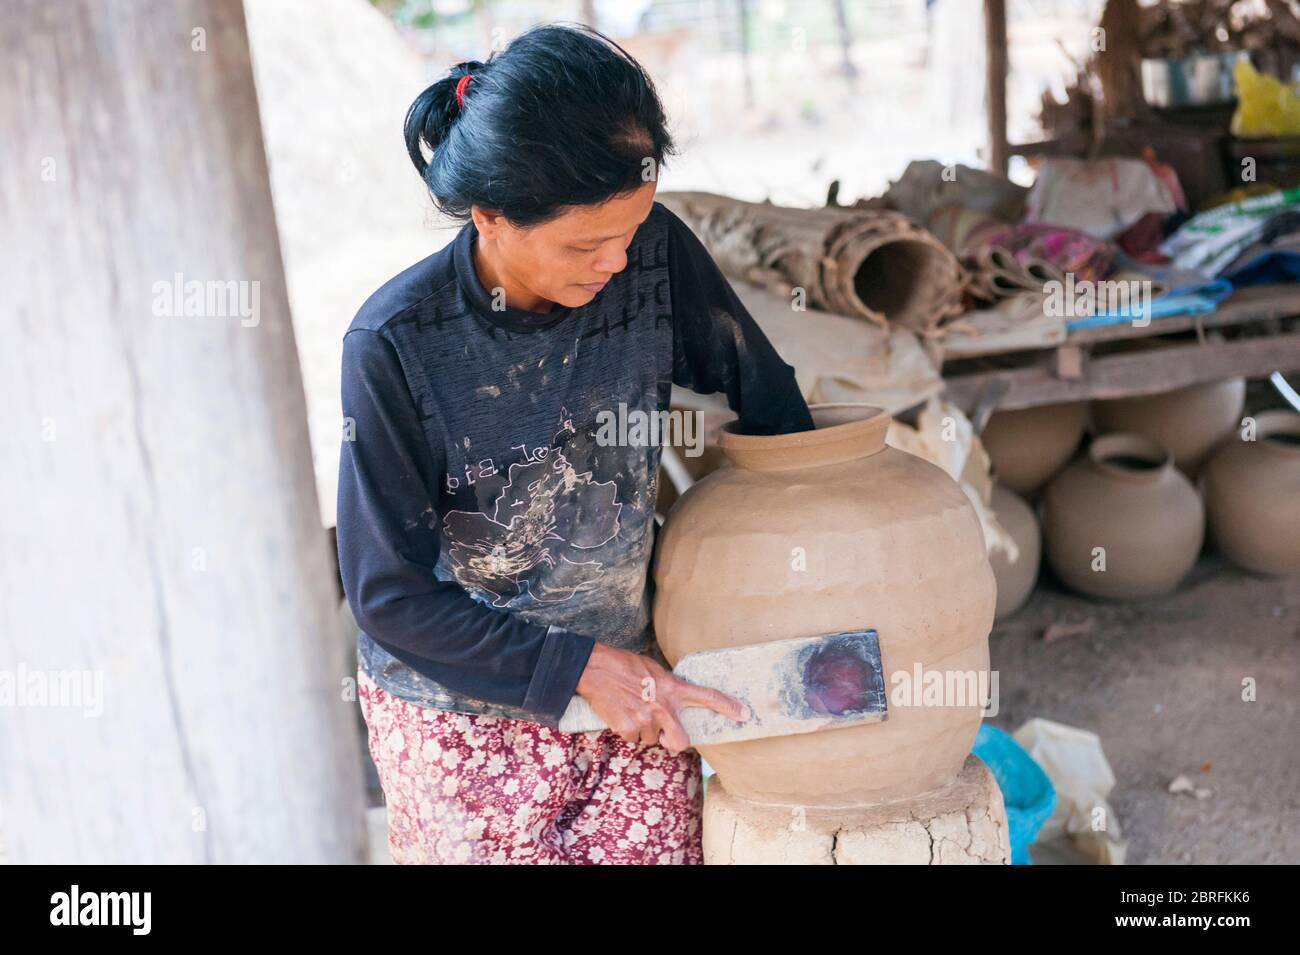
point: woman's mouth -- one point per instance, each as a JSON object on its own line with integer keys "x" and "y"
{"x": 594, "y": 286}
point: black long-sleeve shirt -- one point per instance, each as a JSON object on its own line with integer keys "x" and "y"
{"x": 488, "y": 534}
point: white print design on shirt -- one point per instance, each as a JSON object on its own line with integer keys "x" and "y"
{"x": 529, "y": 548}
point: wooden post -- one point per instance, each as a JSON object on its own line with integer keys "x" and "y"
{"x": 1119, "y": 62}
{"x": 995, "y": 44}
{"x": 166, "y": 581}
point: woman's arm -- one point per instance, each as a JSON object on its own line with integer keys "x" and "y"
{"x": 389, "y": 543}
{"x": 717, "y": 345}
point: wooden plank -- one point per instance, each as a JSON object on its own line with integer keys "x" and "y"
{"x": 1264, "y": 303}
{"x": 1135, "y": 373}
{"x": 1068, "y": 362}
{"x": 1070, "y": 144}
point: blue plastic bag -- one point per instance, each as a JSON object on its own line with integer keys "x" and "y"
{"x": 1026, "y": 789}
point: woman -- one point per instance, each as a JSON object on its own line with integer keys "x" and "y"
{"x": 494, "y": 551}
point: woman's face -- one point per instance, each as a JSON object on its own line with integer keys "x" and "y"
{"x": 569, "y": 259}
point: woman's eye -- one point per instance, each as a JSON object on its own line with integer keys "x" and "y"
{"x": 578, "y": 249}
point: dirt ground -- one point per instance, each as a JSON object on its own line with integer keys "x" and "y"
{"x": 1160, "y": 682}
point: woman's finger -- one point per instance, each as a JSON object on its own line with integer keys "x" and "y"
{"x": 672, "y": 735}
{"x": 688, "y": 694}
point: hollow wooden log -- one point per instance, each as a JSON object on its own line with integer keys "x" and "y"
{"x": 872, "y": 264}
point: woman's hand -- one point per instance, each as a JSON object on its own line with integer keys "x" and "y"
{"x": 639, "y": 699}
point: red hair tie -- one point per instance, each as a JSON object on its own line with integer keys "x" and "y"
{"x": 460, "y": 90}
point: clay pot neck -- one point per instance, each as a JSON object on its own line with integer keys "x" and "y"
{"x": 1279, "y": 432}
{"x": 1129, "y": 457}
{"x": 844, "y": 432}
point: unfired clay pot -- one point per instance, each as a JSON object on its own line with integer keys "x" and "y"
{"x": 1028, "y": 446}
{"x": 1188, "y": 422}
{"x": 816, "y": 533}
{"x": 1127, "y": 498}
{"x": 1252, "y": 496}
{"x": 1015, "y": 580}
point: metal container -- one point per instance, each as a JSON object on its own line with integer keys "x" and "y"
{"x": 1202, "y": 79}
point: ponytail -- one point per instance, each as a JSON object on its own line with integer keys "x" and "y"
{"x": 430, "y": 118}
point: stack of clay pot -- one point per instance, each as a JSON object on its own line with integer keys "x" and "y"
{"x": 1249, "y": 469}
{"x": 1027, "y": 446}
{"x": 1252, "y": 494}
{"x": 820, "y": 532}
{"x": 1188, "y": 422}
{"x": 1125, "y": 520}
{"x": 1122, "y": 522}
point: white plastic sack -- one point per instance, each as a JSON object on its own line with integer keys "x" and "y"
{"x": 1073, "y": 759}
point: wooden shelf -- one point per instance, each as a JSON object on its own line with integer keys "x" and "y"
{"x": 1127, "y": 374}
{"x": 1262, "y": 303}
{"x": 1073, "y": 371}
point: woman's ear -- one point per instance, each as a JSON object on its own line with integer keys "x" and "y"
{"x": 488, "y": 222}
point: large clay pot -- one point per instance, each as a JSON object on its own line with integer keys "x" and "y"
{"x": 820, "y": 532}
{"x": 1126, "y": 498}
{"x": 1015, "y": 580}
{"x": 1252, "y": 496}
{"x": 1188, "y": 422}
{"x": 1028, "y": 446}
{"x": 710, "y": 460}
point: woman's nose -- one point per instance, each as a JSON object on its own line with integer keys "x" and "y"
{"x": 611, "y": 262}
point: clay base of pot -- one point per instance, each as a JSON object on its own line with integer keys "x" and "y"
{"x": 964, "y": 823}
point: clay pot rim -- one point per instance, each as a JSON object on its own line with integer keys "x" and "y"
{"x": 1277, "y": 421}
{"x": 807, "y": 449}
{"x": 1117, "y": 443}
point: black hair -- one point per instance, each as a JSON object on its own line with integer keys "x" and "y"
{"x": 563, "y": 116}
